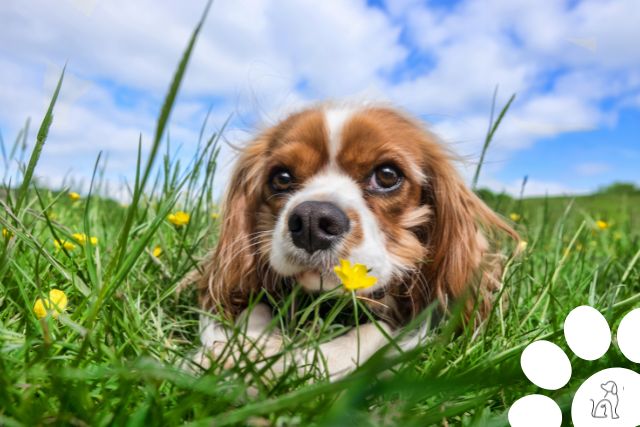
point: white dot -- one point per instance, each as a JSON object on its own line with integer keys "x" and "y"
{"x": 546, "y": 365}
{"x": 587, "y": 333}
{"x": 533, "y": 411}
{"x": 629, "y": 335}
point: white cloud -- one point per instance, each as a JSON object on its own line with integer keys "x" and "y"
{"x": 592, "y": 168}
{"x": 260, "y": 58}
{"x": 532, "y": 48}
{"x": 532, "y": 188}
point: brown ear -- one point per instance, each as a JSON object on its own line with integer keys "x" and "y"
{"x": 230, "y": 275}
{"x": 462, "y": 238}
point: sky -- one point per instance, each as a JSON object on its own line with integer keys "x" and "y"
{"x": 573, "y": 65}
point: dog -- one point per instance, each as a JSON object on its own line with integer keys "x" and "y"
{"x": 608, "y": 405}
{"x": 364, "y": 183}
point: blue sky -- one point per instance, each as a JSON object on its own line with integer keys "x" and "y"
{"x": 574, "y": 66}
{"x": 584, "y": 160}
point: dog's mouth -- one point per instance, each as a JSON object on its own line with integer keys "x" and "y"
{"x": 316, "y": 280}
{"x": 314, "y": 272}
{"x": 319, "y": 262}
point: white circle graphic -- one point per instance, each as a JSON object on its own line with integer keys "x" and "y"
{"x": 546, "y": 365}
{"x": 587, "y": 333}
{"x": 629, "y": 335}
{"x": 608, "y": 398}
{"x": 535, "y": 410}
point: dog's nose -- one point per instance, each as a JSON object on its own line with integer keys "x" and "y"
{"x": 317, "y": 225}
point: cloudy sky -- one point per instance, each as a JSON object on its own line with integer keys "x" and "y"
{"x": 574, "y": 65}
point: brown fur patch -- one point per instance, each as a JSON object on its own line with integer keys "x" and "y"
{"x": 355, "y": 236}
{"x": 436, "y": 228}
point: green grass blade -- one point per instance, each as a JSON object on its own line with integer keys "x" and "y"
{"x": 493, "y": 127}
{"x": 37, "y": 149}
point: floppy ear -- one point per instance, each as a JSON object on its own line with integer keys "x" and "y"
{"x": 230, "y": 274}
{"x": 463, "y": 260}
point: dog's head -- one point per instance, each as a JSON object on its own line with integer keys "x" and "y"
{"x": 365, "y": 184}
{"x": 610, "y": 387}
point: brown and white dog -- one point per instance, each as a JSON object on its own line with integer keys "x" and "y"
{"x": 364, "y": 183}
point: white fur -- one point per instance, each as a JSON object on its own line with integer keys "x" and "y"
{"x": 335, "y": 119}
{"x": 211, "y": 331}
{"x": 254, "y": 337}
{"x": 255, "y": 325}
{"x": 345, "y": 353}
{"x": 336, "y": 358}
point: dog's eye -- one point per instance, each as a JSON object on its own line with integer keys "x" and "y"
{"x": 281, "y": 180}
{"x": 385, "y": 178}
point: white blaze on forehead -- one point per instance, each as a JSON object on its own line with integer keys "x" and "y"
{"x": 335, "y": 119}
{"x": 333, "y": 187}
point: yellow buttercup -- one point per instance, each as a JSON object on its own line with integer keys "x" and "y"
{"x": 354, "y": 276}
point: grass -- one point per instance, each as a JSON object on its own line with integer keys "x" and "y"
{"x": 114, "y": 356}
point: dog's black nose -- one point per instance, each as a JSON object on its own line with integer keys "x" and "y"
{"x": 317, "y": 225}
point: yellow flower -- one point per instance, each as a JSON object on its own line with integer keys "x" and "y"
{"x": 81, "y": 238}
{"x": 215, "y": 215}
{"x": 523, "y": 245}
{"x": 6, "y": 233}
{"x": 157, "y": 251}
{"x": 602, "y": 225}
{"x": 179, "y": 218}
{"x": 64, "y": 244}
{"x": 55, "y": 304}
{"x": 74, "y": 196}
{"x": 514, "y": 217}
{"x": 354, "y": 277}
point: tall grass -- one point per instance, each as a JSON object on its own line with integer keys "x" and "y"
{"x": 115, "y": 356}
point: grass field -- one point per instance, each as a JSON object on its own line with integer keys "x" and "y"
{"x": 113, "y": 356}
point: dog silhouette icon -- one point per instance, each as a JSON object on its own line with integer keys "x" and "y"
{"x": 608, "y": 405}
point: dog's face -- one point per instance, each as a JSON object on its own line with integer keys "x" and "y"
{"x": 342, "y": 184}
{"x": 364, "y": 184}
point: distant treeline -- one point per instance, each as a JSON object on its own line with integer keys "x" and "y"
{"x": 617, "y": 188}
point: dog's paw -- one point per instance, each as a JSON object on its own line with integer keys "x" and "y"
{"x": 241, "y": 353}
